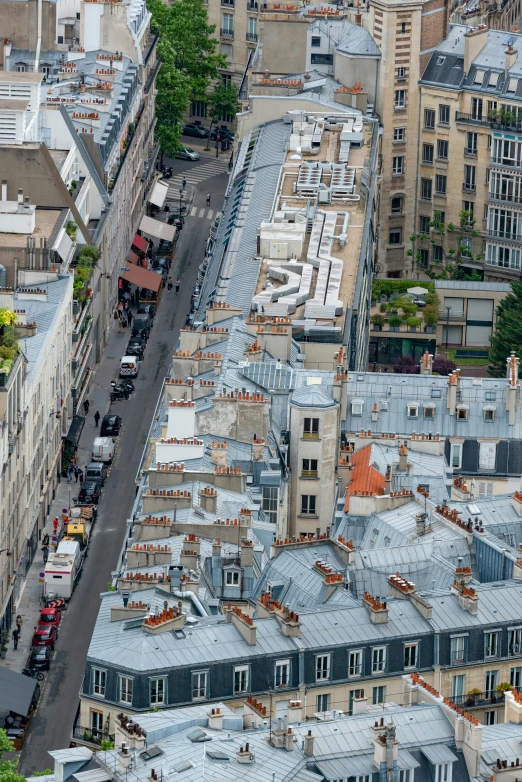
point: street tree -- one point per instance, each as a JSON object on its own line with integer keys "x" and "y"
{"x": 451, "y": 267}
{"x": 508, "y": 331}
{"x": 8, "y": 768}
{"x": 222, "y": 102}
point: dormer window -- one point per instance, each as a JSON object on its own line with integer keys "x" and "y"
{"x": 429, "y": 411}
{"x": 21, "y": 67}
{"x": 443, "y": 772}
{"x": 489, "y": 413}
{"x": 462, "y": 412}
{"x": 357, "y": 406}
{"x": 413, "y": 411}
{"x": 232, "y": 578}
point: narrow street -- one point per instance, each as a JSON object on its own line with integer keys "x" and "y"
{"x": 51, "y": 726}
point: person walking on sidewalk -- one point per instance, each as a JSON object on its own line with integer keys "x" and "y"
{"x": 16, "y": 636}
{"x": 45, "y": 554}
{"x": 69, "y": 473}
{"x": 178, "y": 283}
{"x": 208, "y": 199}
{"x": 80, "y": 475}
{"x": 19, "y": 623}
{"x": 76, "y": 473}
{"x": 96, "y": 418}
{"x": 169, "y": 283}
{"x": 184, "y": 183}
{"x": 56, "y": 524}
{"x": 86, "y": 407}
{"x": 129, "y": 317}
{"x": 45, "y": 539}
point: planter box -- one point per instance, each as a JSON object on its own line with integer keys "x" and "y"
{"x": 395, "y": 328}
{"x": 429, "y": 330}
{"x": 413, "y": 328}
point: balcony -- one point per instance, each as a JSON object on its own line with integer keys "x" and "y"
{"x": 227, "y": 3}
{"x": 90, "y": 737}
{"x": 454, "y": 316}
{"x": 309, "y": 474}
{"x": 252, "y": 5}
{"x": 473, "y": 119}
{"x": 226, "y": 33}
{"x": 251, "y": 37}
{"x": 467, "y": 187}
{"x": 492, "y": 698}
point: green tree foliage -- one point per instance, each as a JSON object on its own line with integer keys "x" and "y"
{"x": 221, "y": 101}
{"x": 450, "y": 267}
{"x": 508, "y": 331}
{"x": 190, "y": 62}
{"x": 8, "y": 768}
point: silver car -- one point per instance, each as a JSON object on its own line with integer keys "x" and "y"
{"x": 187, "y": 153}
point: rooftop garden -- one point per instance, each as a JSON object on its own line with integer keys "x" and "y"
{"x": 87, "y": 260}
{"x": 9, "y": 344}
{"x": 403, "y": 311}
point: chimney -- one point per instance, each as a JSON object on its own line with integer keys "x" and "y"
{"x": 513, "y": 707}
{"x": 20, "y": 196}
{"x": 386, "y": 748}
{"x": 511, "y": 57}
{"x": 375, "y": 412}
{"x": 388, "y": 480}
{"x": 244, "y": 754}
{"x": 474, "y": 42}
{"x": 124, "y": 758}
{"x": 258, "y": 449}
{"x": 218, "y": 454}
{"x": 215, "y": 719}
{"x": 453, "y": 387}
{"x": 513, "y": 387}
{"x": 289, "y": 740}
{"x": 403, "y": 457}
{"x": 125, "y": 597}
{"x": 420, "y": 524}
{"x": 426, "y": 363}
{"x": 246, "y": 553}
{"x": 378, "y": 609}
{"x": 208, "y": 499}
{"x": 466, "y": 596}
{"x": 360, "y": 704}
{"x": 309, "y": 745}
{"x": 243, "y": 623}
{"x": 4, "y": 189}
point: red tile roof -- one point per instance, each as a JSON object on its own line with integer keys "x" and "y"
{"x": 364, "y": 477}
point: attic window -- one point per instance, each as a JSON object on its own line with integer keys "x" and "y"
{"x": 383, "y": 406}
{"x": 216, "y": 754}
{"x": 459, "y": 63}
{"x": 436, "y": 393}
{"x": 489, "y": 413}
{"x": 462, "y": 412}
{"x": 232, "y": 578}
{"x": 357, "y": 406}
{"x": 413, "y": 411}
{"x": 512, "y": 85}
{"x": 491, "y": 396}
{"x": 183, "y": 765}
{"x": 479, "y": 77}
{"x": 151, "y": 752}
{"x": 493, "y": 79}
{"x": 429, "y": 411}
{"x": 441, "y": 60}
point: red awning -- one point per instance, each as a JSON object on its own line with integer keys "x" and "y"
{"x": 133, "y": 258}
{"x": 141, "y": 243}
{"x": 142, "y": 277}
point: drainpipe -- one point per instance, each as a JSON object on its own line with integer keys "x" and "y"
{"x": 416, "y": 181}
{"x": 39, "y": 39}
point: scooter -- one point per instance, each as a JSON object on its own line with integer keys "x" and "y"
{"x": 33, "y": 674}
{"x": 167, "y": 173}
{"x": 126, "y": 382}
{"x": 119, "y": 392}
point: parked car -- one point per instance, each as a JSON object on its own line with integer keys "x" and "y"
{"x": 136, "y": 348}
{"x": 102, "y": 449}
{"x": 90, "y": 493}
{"x": 160, "y": 262}
{"x": 191, "y": 129}
{"x": 50, "y": 617}
{"x": 160, "y": 270}
{"x": 187, "y": 153}
{"x": 40, "y": 658}
{"x": 147, "y": 309}
{"x": 224, "y": 133}
{"x": 45, "y": 636}
{"x": 96, "y": 471}
{"x": 141, "y": 325}
{"x": 110, "y": 426}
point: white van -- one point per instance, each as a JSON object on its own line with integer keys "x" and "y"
{"x": 129, "y": 366}
{"x": 102, "y": 449}
{"x": 62, "y": 568}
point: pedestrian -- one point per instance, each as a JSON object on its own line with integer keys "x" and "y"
{"x": 167, "y": 209}
{"x": 184, "y": 183}
{"x": 129, "y": 317}
{"x": 169, "y": 283}
{"x": 80, "y": 475}
{"x": 178, "y": 283}
{"x": 208, "y": 199}
{"x": 45, "y": 539}
{"x": 69, "y": 473}
{"x": 124, "y": 322}
{"x": 163, "y": 281}
{"x": 120, "y": 307}
{"x": 96, "y": 418}
{"x": 76, "y": 474}
{"x": 16, "y": 636}
{"x": 45, "y": 554}
{"x": 56, "y": 524}
{"x": 86, "y": 407}
{"x": 121, "y": 324}
{"x": 19, "y": 623}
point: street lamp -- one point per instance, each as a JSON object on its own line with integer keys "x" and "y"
{"x": 180, "y": 200}
{"x": 448, "y": 309}
{"x": 9, "y": 553}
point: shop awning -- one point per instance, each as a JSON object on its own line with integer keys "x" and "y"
{"x": 133, "y": 258}
{"x": 16, "y": 691}
{"x": 75, "y": 429}
{"x": 142, "y": 277}
{"x": 158, "y": 229}
{"x": 141, "y": 243}
{"x": 159, "y": 194}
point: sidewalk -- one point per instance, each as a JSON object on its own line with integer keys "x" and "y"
{"x": 31, "y": 601}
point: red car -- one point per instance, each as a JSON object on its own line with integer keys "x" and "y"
{"x": 50, "y": 617}
{"x": 45, "y": 636}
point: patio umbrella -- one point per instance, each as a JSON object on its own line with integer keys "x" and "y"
{"x": 418, "y": 291}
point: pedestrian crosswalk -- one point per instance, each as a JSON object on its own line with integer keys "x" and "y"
{"x": 208, "y": 214}
{"x": 195, "y": 175}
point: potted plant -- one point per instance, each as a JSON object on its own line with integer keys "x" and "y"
{"x": 395, "y": 323}
{"x": 413, "y": 323}
{"x": 383, "y": 308}
{"x": 377, "y": 322}
{"x": 503, "y": 687}
{"x": 473, "y": 695}
{"x": 431, "y": 317}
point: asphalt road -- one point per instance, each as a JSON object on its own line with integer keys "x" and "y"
{"x": 51, "y": 726}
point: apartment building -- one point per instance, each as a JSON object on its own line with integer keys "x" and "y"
{"x": 469, "y": 161}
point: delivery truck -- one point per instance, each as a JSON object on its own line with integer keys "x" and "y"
{"x": 62, "y": 569}
{"x": 81, "y": 522}
{"x": 102, "y": 449}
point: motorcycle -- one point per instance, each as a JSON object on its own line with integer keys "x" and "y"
{"x": 125, "y": 382}
{"x": 119, "y": 393}
{"x": 167, "y": 173}
{"x": 33, "y": 674}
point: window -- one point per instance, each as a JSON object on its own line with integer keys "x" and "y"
{"x": 401, "y": 72}
{"x": 471, "y": 143}
{"x": 469, "y": 206}
{"x": 399, "y": 134}
{"x": 424, "y": 258}
{"x": 485, "y": 489}
{"x": 505, "y": 257}
{"x": 410, "y": 655}
{"x": 270, "y": 500}
{"x": 491, "y": 683}
{"x": 400, "y": 99}
{"x": 515, "y": 677}
{"x": 232, "y": 577}
{"x": 378, "y": 695}
{"x": 96, "y": 722}
{"x": 441, "y": 60}
{"x": 99, "y": 679}
{"x": 457, "y": 687}
{"x": 395, "y": 236}
{"x": 20, "y": 67}
{"x": 311, "y": 429}
{"x": 321, "y": 59}
{"x": 46, "y": 69}
{"x": 514, "y": 642}
{"x": 504, "y": 223}
{"x": 227, "y": 49}
{"x": 489, "y": 415}
{"x": 396, "y": 205}
{"x": 442, "y": 149}
{"x": 462, "y": 413}
{"x": 429, "y": 119}
{"x": 413, "y": 411}
{"x": 437, "y": 253}
{"x": 476, "y": 108}
{"x": 199, "y": 685}
{"x": 226, "y": 81}
{"x": 198, "y": 108}
{"x": 490, "y": 396}
{"x": 427, "y": 153}
{"x": 469, "y": 177}
{"x": 487, "y": 456}
{"x": 252, "y": 27}
{"x": 322, "y": 667}
{"x": 405, "y": 775}
{"x": 490, "y": 718}
{"x": 352, "y": 695}
{"x": 309, "y": 468}
{"x": 458, "y": 649}
{"x": 444, "y": 114}
{"x": 323, "y": 703}
{"x": 398, "y": 165}
{"x": 240, "y": 679}
{"x": 126, "y": 689}
{"x": 443, "y": 772}
{"x": 157, "y": 691}
{"x": 355, "y": 663}
{"x": 440, "y": 184}
{"x": 505, "y": 187}
{"x": 403, "y": 27}
{"x": 357, "y": 407}
{"x": 316, "y": 40}
{"x": 491, "y": 644}
{"x": 426, "y": 189}
{"x": 379, "y": 659}
{"x": 282, "y": 673}
{"x": 429, "y": 412}
{"x": 424, "y": 224}
{"x": 308, "y": 503}
{"x": 227, "y": 23}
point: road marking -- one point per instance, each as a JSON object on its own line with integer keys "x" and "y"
{"x": 201, "y": 212}
{"x": 193, "y": 211}
{"x": 210, "y": 213}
